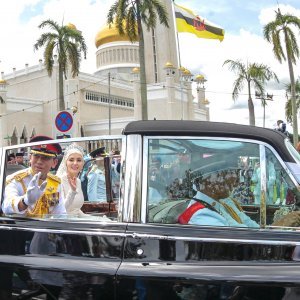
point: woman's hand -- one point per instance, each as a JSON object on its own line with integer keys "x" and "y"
{"x": 72, "y": 182}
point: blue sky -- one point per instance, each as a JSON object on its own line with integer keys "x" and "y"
{"x": 32, "y": 10}
{"x": 242, "y": 20}
{"x": 234, "y": 14}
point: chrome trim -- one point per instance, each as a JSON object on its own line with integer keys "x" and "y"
{"x": 2, "y": 163}
{"x": 263, "y": 186}
{"x": 121, "y": 138}
{"x": 132, "y": 180}
{"x": 68, "y": 140}
{"x": 122, "y": 179}
{"x": 145, "y": 180}
{"x": 98, "y": 232}
{"x": 153, "y": 236}
{"x": 202, "y": 239}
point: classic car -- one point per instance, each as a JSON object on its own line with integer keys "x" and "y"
{"x": 140, "y": 244}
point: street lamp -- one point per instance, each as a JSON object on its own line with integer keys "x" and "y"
{"x": 74, "y": 109}
{"x": 264, "y": 98}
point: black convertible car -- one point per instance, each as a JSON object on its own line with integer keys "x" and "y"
{"x": 199, "y": 210}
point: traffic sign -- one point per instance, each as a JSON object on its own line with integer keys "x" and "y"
{"x": 64, "y": 121}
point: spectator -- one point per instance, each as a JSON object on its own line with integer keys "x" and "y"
{"x": 281, "y": 126}
{"x": 11, "y": 159}
{"x": 96, "y": 187}
{"x": 20, "y": 159}
{"x": 115, "y": 173}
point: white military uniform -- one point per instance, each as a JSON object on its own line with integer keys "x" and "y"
{"x": 16, "y": 186}
{"x": 96, "y": 188}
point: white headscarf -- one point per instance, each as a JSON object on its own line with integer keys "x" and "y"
{"x": 71, "y": 149}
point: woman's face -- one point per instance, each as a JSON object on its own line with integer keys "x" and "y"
{"x": 74, "y": 164}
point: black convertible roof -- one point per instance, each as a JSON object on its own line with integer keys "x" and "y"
{"x": 210, "y": 129}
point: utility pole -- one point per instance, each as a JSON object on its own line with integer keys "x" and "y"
{"x": 264, "y": 99}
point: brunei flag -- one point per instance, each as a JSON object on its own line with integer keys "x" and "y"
{"x": 187, "y": 21}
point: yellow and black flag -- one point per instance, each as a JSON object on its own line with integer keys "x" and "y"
{"x": 187, "y": 21}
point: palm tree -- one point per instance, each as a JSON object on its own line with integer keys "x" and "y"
{"x": 277, "y": 32}
{"x": 128, "y": 15}
{"x": 288, "y": 105}
{"x": 252, "y": 74}
{"x": 68, "y": 43}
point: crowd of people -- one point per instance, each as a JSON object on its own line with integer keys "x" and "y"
{"x": 36, "y": 191}
{"x": 16, "y": 159}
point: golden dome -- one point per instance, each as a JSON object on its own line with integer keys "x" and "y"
{"x": 169, "y": 65}
{"x": 200, "y": 77}
{"x": 108, "y": 35}
{"x": 135, "y": 70}
{"x": 2, "y": 81}
{"x": 187, "y": 72}
{"x": 182, "y": 69}
{"x": 71, "y": 26}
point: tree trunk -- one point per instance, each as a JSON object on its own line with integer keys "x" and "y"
{"x": 143, "y": 81}
{"x": 61, "y": 100}
{"x": 250, "y": 107}
{"x": 293, "y": 100}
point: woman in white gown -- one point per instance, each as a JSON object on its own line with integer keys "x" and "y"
{"x": 71, "y": 165}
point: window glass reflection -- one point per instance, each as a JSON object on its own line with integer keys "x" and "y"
{"x": 214, "y": 182}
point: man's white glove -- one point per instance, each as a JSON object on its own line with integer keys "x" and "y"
{"x": 34, "y": 191}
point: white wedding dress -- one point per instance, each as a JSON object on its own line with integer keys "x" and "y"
{"x": 73, "y": 199}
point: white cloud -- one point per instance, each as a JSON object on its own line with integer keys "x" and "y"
{"x": 207, "y": 57}
{"x": 19, "y": 37}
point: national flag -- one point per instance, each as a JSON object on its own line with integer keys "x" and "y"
{"x": 187, "y": 21}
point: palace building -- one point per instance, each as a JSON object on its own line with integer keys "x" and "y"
{"x": 104, "y": 102}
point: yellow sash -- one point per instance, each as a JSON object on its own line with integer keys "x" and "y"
{"x": 49, "y": 198}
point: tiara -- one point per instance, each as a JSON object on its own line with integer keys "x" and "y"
{"x": 76, "y": 147}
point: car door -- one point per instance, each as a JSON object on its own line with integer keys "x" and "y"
{"x": 62, "y": 255}
{"x": 247, "y": 258}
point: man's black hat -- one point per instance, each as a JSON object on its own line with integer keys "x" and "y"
{"x": 51, "y": 150}
{"x": 98, "y": 152}
{"x": 19, "y": 154}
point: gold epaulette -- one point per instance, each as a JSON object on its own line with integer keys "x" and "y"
{"x": 54, "y": 177}
{"x": 18, "y": 177}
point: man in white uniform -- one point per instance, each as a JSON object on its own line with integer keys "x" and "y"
{"x": 35, "y": 192}
{"x": 96, "y": 187}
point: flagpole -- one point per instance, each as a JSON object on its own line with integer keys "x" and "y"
{"x": 178, "y": 60}
{"x": 176, "y": 36}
